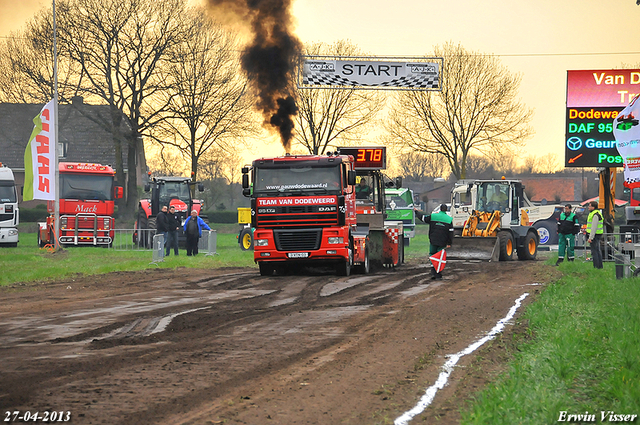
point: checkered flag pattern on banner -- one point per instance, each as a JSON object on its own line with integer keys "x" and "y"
{"x": 439, "y": 260}
{"x": 417, "y": 81}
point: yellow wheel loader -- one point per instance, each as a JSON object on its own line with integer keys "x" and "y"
{"x": 499, "y": 229}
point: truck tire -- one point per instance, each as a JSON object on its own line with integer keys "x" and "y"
{"x": 506, "y": 246}
{"x": 548, "y": 232}
{"x": 266, "y": 269}
{"x": 41, "y": 243}
{"x": 344, "y": 267}
{"x": 151, "y": 231}
{"x": 246, "y": 239}
{"x": 141, "y": 225}
{"x": 529, "y": 250}
{"x": 365, "y": 267}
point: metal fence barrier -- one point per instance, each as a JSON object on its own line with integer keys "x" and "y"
{"x": 124, "y": 240}
{"x": 208, "y": 242}
{"x": 158, "y": 248}
{"x": 612, "y": 245}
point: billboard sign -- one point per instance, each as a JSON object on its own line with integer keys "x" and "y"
{"x": 370, "y": 73}
{"x": 594, "y": 99}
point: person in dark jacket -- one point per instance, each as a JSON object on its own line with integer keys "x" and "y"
{"x": 161, "y": 223}
{"x": 173, "y": 224}
{"x": 193, "y": 230}
{"x": 440, "y": 233}
{"x": 568, "y": 228}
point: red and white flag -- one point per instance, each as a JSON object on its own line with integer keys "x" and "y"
{"x": 40, "y": 158}
{"x": 439, "y": 260}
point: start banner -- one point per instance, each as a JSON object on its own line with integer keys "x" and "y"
{"x": 40, "y": 157}
{"x": 370, "y": 73}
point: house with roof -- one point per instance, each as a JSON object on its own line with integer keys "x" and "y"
{"x": 81, "y": 137}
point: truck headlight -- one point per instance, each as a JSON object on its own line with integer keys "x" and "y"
{"x": 13, "y": 232}
{"x": 336, "y": 240}
{"x": 63, "y": 223}
{"x": 262, "y": 242}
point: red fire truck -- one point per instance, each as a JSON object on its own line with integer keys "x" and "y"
{"x": 306, "y": 209}
{"x": 87, "y": 194}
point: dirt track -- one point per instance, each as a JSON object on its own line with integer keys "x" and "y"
{"x": 228, "y": 346}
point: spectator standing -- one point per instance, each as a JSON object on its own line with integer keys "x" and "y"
{"x": 440, "y": 233}
{"x": 568, "y": 228}
{"x": 173, "y": 224}
{"x": 193, "y": 230}
{"x": 161, "y": 223}
{"x": 596, "y": 229}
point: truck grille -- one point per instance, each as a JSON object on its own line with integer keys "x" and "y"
{"x": 297, "y": 240}
{"x": 86, "y": 222}
{"x": 297, "y": 216}
{"x": 5, "y": 217}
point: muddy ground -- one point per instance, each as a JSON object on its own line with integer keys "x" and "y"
{"x": 227, "y": 346}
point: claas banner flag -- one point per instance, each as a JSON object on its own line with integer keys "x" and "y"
{"x": 40, "y": 157}
{"x": 627, "y": 134}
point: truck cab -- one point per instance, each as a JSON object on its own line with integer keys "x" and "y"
{"x": 9, "y": 213}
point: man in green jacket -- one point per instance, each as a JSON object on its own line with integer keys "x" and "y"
{"x": 440, "y": 233}
{"x": 568, "y": 228}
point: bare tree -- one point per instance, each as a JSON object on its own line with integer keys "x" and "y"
{"x": 476, "y": 111}
{"x": 328, "y": 115}
{"x": 416, "y": 166}
{"x": 120, "y": 46}
{"x": 26, "y": 64}
{"x": 548, "y": 164}
{"x": 220, "y": 169}
{"x": 207, "y": 102}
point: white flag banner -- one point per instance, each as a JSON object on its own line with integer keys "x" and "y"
{"x": 627, "y": 134}
{"x": 40, "y": 157}
{"x": 409, "y": 74}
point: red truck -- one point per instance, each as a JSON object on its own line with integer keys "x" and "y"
{"x": 87, "y": 195}
{"x": 305, "y": 210}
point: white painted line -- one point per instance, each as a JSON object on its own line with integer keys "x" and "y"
{"x": 447, "y": 369}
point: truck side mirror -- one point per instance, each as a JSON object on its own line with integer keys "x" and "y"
{"x": 398, "y": 182}
{"x": 245, "y": 181}
{"x": 118, "y": 192}
{"x": 147, "y": 187}
{"x": 200, "y": 187}
{"x": 351, "y": 178}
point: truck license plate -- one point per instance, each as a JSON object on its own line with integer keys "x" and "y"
{"x": 298, "y": 254}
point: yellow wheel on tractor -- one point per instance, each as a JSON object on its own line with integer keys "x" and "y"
{"x": 246, "y": 239}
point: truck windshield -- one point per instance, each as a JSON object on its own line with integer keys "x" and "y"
{"x": 86, "y": 187}
{"x": 174, "y": 190}
{"x": 7, "y": 192}
{"x": 287, "y": 179}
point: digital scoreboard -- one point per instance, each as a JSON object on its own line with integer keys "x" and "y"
{"x": 370, "y": 157}
{"x": 594, "y": 99}
{"x": 589, "y": 138}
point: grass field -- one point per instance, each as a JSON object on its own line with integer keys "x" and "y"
{"x": 580, "y": 353}
{"x": 28, "y": 263}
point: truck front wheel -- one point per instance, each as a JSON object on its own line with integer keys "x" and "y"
{"x": 344, "y": 267}
{"x": 266, "y": 269}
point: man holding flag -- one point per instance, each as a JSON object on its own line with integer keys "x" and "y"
{"x": 440, "y": 237}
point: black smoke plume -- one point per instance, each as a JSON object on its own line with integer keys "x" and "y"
{"x": 269, "y": 59}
